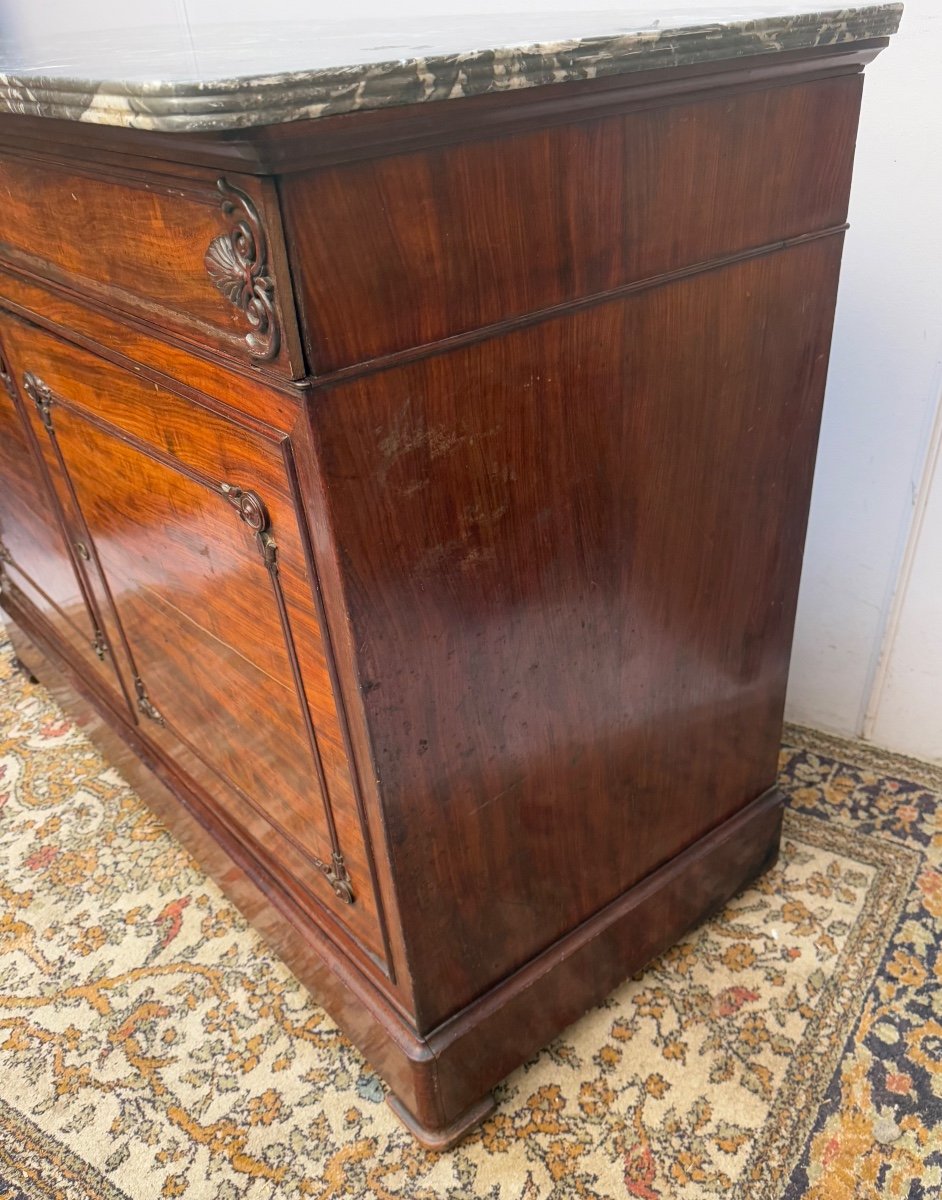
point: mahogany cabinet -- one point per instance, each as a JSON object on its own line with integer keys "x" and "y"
{"x": 419, "y": 494}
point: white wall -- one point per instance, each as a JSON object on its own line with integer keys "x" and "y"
{"x": 883, "y": 393}
{"x": 906, "y": 712}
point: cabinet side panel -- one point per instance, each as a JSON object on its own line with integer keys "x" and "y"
{"x": 407, "y": 249}
{"x": 572, "y": 557}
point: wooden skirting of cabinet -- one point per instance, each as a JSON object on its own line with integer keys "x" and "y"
{"x": 414, "y": 508}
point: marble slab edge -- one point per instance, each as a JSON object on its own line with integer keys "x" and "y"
{"x": 250, "y": 101}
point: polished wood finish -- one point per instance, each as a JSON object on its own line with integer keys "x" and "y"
{"x": 131, "y": 243}
{"x": 184, "y": 593}
{"x": 453, "y": 632}
{"x": 443, "y": 1139}
{"x": 546, "y": 639}
{"x": 464, "y": 242}
{"x": 36, "y": 554}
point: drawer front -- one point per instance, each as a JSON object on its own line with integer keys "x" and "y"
{"x": 199, "y": 547}
{"x": 412, "y": 248}
{"x": 199, "y": 259}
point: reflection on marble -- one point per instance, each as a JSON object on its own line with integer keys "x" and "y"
{"x": 217, "y": 77}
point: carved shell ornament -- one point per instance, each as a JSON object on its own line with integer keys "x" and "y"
{"x": 227, "y": 271}
{"x": 237, "y": 263}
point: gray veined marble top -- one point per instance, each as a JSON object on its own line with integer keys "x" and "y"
{"x": 189, "y": 77}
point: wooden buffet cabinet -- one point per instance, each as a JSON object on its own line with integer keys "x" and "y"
{"x": 418, "y": 493}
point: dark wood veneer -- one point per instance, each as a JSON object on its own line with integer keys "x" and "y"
{"x": 437, "y": 242}
{"x": 545, "y": 637}
{"x": 453, "y": 640}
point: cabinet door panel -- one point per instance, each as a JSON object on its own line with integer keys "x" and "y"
{"x": 197, "y": 539}
{"x": 38, "y": 559}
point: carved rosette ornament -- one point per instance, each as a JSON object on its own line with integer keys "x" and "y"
{"x": 237, "y": 262}
{"x": 253, "y": 512}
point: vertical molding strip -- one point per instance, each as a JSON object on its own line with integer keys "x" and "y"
{"x": 930, "y": 473}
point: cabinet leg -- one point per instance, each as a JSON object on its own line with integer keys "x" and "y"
{"x": 21, "y": 666}
{"x": 450, "y": 1135}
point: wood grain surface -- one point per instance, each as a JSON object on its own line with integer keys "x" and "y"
{"x": 408, "y": 249}
{"x": 455, "y": 629}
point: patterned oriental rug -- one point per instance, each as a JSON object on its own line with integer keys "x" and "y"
{"x": 150, "y": 1046}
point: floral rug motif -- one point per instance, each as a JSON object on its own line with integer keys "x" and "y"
{"x": 150, "y": 1046}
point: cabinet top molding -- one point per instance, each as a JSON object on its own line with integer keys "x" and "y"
{"x": 191, "y": 78}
